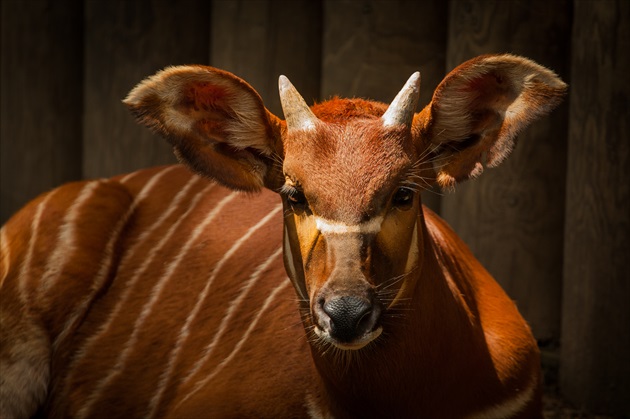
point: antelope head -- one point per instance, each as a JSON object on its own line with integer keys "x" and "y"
{"x": 351, "y": 197}
{"x": 349, "y": 171}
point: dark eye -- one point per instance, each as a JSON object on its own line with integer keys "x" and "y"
{"x": 403, "y": 198}
{"x": 296, "y": 199}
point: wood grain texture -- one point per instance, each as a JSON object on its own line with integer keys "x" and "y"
{"x": 260, "y": 40}
{"x": 512, "y": 216}
{"x": 595, "y": 370}
{"x": 40, "y": 90}
{"x": 126, "y": 42}
{"x": 371, "y": 47}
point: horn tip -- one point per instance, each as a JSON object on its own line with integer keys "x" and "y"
{"x": 414, "y": 80}
{"x": 283, "y": 82}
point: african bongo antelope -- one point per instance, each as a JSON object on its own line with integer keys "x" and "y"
{"x": 164, "y": 294}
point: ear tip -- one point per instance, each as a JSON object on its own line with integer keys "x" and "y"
{"x": 132, "y": 100}
{"x": 129, "y": 101}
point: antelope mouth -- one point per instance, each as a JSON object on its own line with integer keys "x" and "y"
{"x": 354, "y": 345}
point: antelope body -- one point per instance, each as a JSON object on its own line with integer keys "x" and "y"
{"x": 163, "y": 293}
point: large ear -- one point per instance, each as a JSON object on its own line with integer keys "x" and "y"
{"x": 216, "y": 122}
{"x": 479, "y": 108}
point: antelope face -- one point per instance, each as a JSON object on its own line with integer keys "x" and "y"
{"x": 352, "y": 205}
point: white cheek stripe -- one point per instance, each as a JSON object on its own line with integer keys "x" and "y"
{"x": 412, "y": 256}
{"x": 289, "y": 254}
{"x": 333, "y": 227}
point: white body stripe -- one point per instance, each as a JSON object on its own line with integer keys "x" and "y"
{"x": 272, "y": 296}
{"x": 66, "y": 242}
{"x": 173, "y": 205}
{"x": 104, "y": 328}
{"x": 129, "y": 176}
{"x": 372, "y": 226}
{"x": 185, "y": 331}
{"x": 25, "y": 268}
{"x": 156, "y": 293}
{"x": 108, "y": 255}
{"x": 230, "y": 313}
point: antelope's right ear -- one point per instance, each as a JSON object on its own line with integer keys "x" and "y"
{"x": 216, "y": 123}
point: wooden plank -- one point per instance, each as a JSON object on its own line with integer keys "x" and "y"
{"x": 260, "y": 40}
{"x": 595, "y": 371}
{"x": 127, "y": 41}
{"x": 371, "y": 47}
{"x": 40, "y": 108}
{"x": 512, "y": 217}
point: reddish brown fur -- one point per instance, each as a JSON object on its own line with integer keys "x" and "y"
{"x": 168, "y": 295}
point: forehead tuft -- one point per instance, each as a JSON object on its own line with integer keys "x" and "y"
{"x": 338, "y": 110}
{"x": 348, "y": 169}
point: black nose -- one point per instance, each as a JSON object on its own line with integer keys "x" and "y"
{"x": 350, "y": 317}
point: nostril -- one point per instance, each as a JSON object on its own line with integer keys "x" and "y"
{"x": 349, "y": 316}
{"x": 365, "y": 322}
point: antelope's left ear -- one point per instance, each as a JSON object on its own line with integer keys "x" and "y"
{"x": 479, "y": 108}
{"x": 216, "y": 123}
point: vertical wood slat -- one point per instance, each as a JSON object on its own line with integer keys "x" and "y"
{"x": 260, "y": 40}
{"x": 594, "y": 368}
{"x": 512, "y": 216}
{"x": 40, "y": 90}
{"x": 371, "y": 47}
{"x": 128, "y": 41}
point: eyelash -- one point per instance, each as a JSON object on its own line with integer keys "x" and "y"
{"x": 295, "y": 196}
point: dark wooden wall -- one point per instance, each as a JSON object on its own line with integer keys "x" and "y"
{"x": 552, "y": 223}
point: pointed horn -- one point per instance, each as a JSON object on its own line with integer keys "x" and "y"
{"x": 402, "y": 108}
{"x": 297, "y": 113}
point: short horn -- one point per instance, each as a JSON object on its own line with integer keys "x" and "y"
{"x": 402, "y": 108}
{"x": 297, "y": 113}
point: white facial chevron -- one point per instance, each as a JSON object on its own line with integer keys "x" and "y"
{"x": 333, "y": 227}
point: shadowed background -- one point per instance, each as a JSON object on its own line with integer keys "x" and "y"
{"x": 551, "y": 224}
